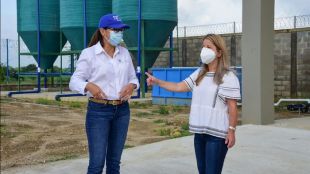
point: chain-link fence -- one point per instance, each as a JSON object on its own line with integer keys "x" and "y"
{"x": 9, "y": 50}
{"x": 10, "y": 62}
{"x": 236, "y": 27}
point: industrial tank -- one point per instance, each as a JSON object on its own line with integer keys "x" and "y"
{"x": 72, "y": 19}
{"x": 159, "y": 18}
{"x": 49, "y": 28}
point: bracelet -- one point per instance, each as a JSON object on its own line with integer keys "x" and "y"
{"x": 232, "y": 128}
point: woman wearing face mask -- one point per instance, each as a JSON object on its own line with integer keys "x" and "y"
{"x": 106, "y": 74}
{"x": 213, "y": 115}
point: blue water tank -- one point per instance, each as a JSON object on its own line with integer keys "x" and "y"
{"x": 177, "y": 74}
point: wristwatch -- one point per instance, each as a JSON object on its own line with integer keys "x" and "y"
{"x": 232, "y": 128}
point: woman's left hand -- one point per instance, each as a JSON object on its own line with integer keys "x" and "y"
{"x": 230, "y": 139}
{"x": 126, "y": 92}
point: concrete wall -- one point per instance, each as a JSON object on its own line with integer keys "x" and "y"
{"x": 303, "y": 64}
{"x": 189, "y": 50}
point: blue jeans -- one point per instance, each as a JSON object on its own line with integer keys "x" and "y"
{"x": 106, "y": 129}
{"x": 210, "y": 153}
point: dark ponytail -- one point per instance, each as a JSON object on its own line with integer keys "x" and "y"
{"x": 96, "y": 38}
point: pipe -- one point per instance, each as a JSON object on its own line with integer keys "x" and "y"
{"x": 38, "y": 90}
{"x": 39, "y": 46}
{"x": 18, "y": 41}
{"x": 57, "y": 97}
{"x": 72, "y": 64}
{"x": 85, "y": 23}
{"x": 139, "y": 47}
{"x": 171, "y": 50}
{"x": 291, "y": 100}
{"x": 45, "y": 78}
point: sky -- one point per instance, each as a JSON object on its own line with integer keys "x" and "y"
{"x": 190, "y": 13}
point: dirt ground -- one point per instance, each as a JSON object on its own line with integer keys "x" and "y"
{"x": 39, "y": 130}
{"x": 34, "y": 133}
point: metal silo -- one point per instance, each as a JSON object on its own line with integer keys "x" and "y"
{"x": 158, "y": 18}
{"x": 27, "y": 27}
{"x": 74, "y": 14}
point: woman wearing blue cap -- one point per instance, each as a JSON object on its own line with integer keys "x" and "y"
{"x": 106, "y": 74}
{"x": 213, "y": 115}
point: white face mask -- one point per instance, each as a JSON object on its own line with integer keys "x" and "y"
{"x": 207, "y": 55}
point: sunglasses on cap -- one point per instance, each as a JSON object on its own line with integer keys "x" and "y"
{"x": 115, "y": 29}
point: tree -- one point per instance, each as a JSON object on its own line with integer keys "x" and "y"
{"x": 29, "y": 68}
{"x": 2, "y": 77}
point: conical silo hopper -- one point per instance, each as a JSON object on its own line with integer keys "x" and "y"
{"x": 49, "y": 28}
{"x": 159, "y": 18}
{"x": 72, "y": 19}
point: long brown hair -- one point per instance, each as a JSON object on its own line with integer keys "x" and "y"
{"x": 96, "y": 38}
{"x": 222, "y": 64}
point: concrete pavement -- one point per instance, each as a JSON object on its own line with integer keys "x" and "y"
{"x": 274, "y": 149}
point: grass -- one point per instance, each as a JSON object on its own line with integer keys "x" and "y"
{"x": 4, "y": 99}
{"x": 143, "y": 114}
{"x": 128, "y": 146}
{"x": 168, "y": 123}
{"x": 44, "y": 101}
{"x": 164, "y": 122}
{"x": 75, "y": 104}
{"x": 139, "y": 105}
{"x": 71, "y": 104}
{"x": 5, "y": 133}
{"x": 2, "y": 129}
{"x": 184, "y": 133}
{"x": 177, "y": 108}
{"x": 162, "y": 110}
{"x": 185, "y": 126}
{"x": 159, "y": 121}
{"x": 4, "y": 114}
{"x": 165, "y": 132}
{"x": 174, "y": 129}
{"x": 173, "y": 132}
{"x": 64, "y": 157}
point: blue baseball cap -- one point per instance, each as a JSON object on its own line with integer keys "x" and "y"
{"x": 112, "y": 21}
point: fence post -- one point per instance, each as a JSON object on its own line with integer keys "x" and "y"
{"x": 233, "y": 56}
{"x": 234, "y": 29}
{"x": 178, "y": 45}
{"x": 184, "y": 51}
{"x": 7, "y": 62}
{"x": 295, "y": 22}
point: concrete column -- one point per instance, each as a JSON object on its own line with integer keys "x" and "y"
{"x": 258, "y": 61}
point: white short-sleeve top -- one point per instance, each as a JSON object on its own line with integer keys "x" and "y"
{"x": 209, "y": 111}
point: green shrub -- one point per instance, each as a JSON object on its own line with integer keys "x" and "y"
{"x": 44, "y": 101}
{"x": 164, "y": 132}
{"x": 75, "y": 104}
{"x": 162, "y": 110}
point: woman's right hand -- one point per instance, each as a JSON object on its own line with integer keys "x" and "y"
{"x": 95, "y": 91}
{"x": 151, "y": 80}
